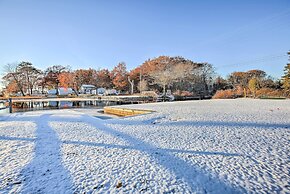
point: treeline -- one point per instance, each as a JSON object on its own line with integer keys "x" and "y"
{"x": 157, "y": 74}
{"x": 253, "y": 83}
{"x": 181, "y": 76}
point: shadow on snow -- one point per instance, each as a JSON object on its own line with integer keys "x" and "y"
{"x": 191, "y": 175}
{"x": 46, "y": 171}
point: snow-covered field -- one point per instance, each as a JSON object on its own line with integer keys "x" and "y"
{"x": 214, "y": 146}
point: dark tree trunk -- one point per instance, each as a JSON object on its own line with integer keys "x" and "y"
{"x": 19, "y": 85}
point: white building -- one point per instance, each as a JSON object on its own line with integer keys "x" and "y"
{"x": 88, "y": 89}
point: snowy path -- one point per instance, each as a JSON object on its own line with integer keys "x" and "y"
{"x": 230, "y": 146}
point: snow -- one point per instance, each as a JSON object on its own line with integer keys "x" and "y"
{"x": 213, "y": 146}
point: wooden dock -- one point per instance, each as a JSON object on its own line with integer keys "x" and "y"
{"x": 124, "y": 111}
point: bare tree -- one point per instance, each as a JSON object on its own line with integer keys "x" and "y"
{"x": 143, "y": 85}
{"x": 30, "y": 75}
{"x": 131, "y": 84}
{"x": 11, "y": 74}
{"x": 183, "y": 72}
{"x": 164, "y": 78}
{"x": 201, "y": 77}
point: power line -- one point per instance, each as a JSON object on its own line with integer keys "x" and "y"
{"x": 257, "y": 60}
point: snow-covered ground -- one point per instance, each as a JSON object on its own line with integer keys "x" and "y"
{"x": 214, "y": 146}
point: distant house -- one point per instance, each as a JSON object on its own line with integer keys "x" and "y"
{"x": 88, "y": 89}
{"x": 111, "y": 92}
{"x": 101, "y": 91}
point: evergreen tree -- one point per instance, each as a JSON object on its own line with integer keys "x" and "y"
{"x": 286, "y": 78}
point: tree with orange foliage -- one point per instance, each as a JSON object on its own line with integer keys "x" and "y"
{"x": 24, "y": 75}
{"x": 12, "y": 88}
{"x": 256, "y": 73}
{"x": 136, "y": 76}
{"x": 154, "y": 72}
{"x": 66, "y": 79}
{"x": 103, "y": 78}
{"x": 13, "y": 75}
{"x": 119, "y": 76}
{"x": 150, "y": 66}
{"x": 240, "y": 79}
{"x": 51, "y": 74}
{"x": 85, "y": 76}
{"x": 175, "y": 72}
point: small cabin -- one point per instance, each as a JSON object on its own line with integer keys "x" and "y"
{"x": 88, "y": 89}
{"x": 101, "y": 91}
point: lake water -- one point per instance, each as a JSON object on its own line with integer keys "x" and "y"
{"x": 3, "y": 111}
{"x": 32, "y": 106}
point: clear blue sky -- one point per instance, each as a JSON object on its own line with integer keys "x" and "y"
{"x": 231, "y": 35}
